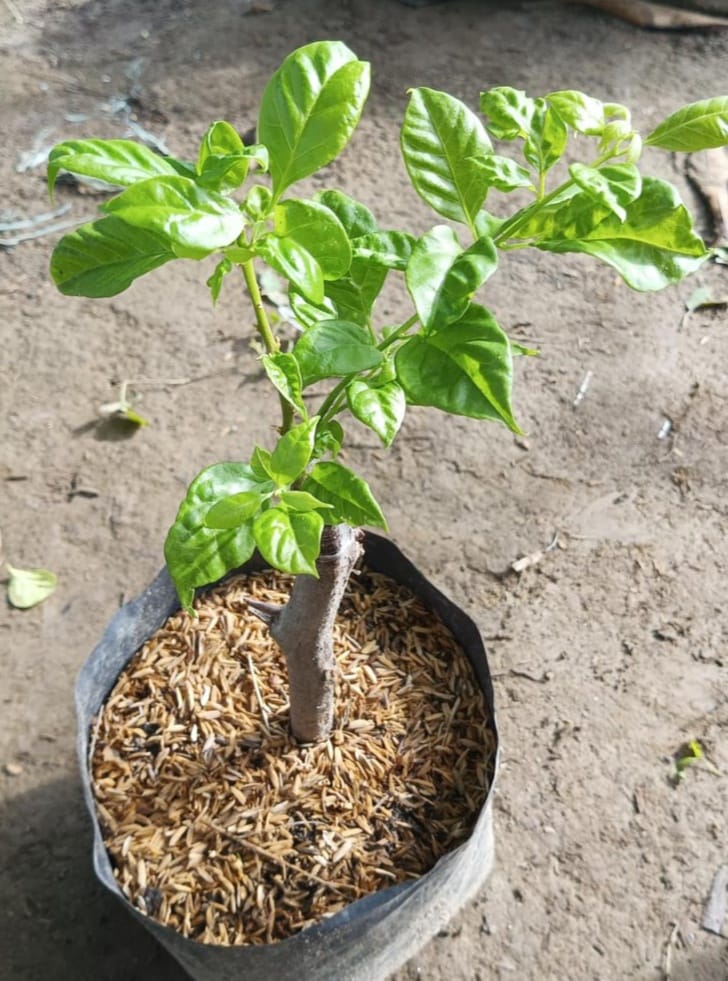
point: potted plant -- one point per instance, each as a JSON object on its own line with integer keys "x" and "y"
{"x": 295, "y": 506}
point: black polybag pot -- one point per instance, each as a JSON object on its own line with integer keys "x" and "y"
{"x": 373, "y": 936}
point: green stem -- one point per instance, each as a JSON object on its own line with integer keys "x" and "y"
{"x": 395, "y": 335}
{"x": 510, "y": 227}
{"x": 325, "y": 412}
{"x": 272, "y": 344}
{"x": 329, "y": 406}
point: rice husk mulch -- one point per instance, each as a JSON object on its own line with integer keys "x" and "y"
{"x": 221, "y": 826}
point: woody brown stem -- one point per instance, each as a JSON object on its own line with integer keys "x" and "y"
{"x": 304, "y": 631}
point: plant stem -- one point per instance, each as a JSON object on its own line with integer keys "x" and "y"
{"x": 329, "y": 406}
{"x": 304, "y": 631}
{"x": 395, "y": 335}
{"x": 272, "y": 344}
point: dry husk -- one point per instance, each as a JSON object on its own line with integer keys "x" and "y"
{"x": 221, "y": 826}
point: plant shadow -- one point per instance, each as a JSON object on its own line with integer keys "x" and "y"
{"x": 58, "y": 922}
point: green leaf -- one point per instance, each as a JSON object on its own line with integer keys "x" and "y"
{"x": 699, "y": 126}
{"x": 214, "y": 283}
{"x": 654, "y": 247}
{"x": 104, "y": 257}
{"x": 220, "y": 140}
{"x": 193, "y": 219}
{"x": 356, "y": 218}
{"x": 615, "y": 186}
{"x": 465, "y": 369}
{"x": 441, "y": 277}
{"x": 197, "y": 555}
{"x": 283, "y": 371}
{"x": 223, "y": 161}
{"x": 310, "y": 108}
{"x": 354, "y": 295}
{"x": 329, "y": 439}
{"x": 350, "y": 497}
{"x": 333, "y": 348}
{"x": 234, "y": 510}
{"x": 317, "y": 229}
{"x": 258, "y": 202}
{"x": 502, "y": 173}
{"x": 260, "y": 464}
{"x": 510, "y": 112}
{"x": 306, "y": 313}
{"x": 439, "y": 138}
{"x": 389, "y": 249}
{"x": 292, "y": 452}
{"x": 380, "y": 407}
{"x": 546, "y": 139}
{"x": 294, "y": 263}
{"x": 289, "y": 540}
{"x": 117, "y": 162}
{"x": 28, "y": 587}
{"x": 583, "y": 113}
{"x": 302, "y": 501}
{"x": 226, "y": 174}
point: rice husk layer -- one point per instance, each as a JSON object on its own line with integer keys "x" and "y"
{"x": 221, "y": 826}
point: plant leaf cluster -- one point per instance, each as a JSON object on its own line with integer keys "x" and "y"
{"x": 234, "y": 203}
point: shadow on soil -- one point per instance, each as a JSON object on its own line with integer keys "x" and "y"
{"x": 57, "y": 922}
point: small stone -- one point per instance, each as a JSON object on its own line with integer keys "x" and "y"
{"x": 13, "y": 769}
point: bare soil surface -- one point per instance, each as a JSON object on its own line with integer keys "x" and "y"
{"x": 608, "y": 654}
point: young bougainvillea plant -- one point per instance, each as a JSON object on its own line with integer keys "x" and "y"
{"x": 296, "y": 502}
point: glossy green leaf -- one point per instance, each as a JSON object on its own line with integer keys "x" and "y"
{"x": 214, "y": 283}
{"x": 356, "y": 218}
{"x": 317, "y": 229}
{"x": 354, "y": 295}
{"x": 509, "y": 111}
{"x": 294, "y": 263}
{"x": 699, "y": 126}
{"x": 223, "y": 160}
{"x": 502, "y": 173}
{"x": 441, "y": 277}
{"x": 329, "y": 439}
{"x": 226, "y": 174}
{"x": 389, "y": 249}
{"x": 654, "y": 247}
{"x": 302, "y": 501}
{"x": 380, "y": 407}
{"x": 197, "y": 555}
{"x": 466, "y": 369}
{"x": 283, "y": 371}
{"x": 234, "y": 510}
{"x": 615, "y": 186}
{"x": 104, "y": 257}
{"x": 260, "y": 464}
{"x": 117, "y": 162}
{"x": 258, "y": 202}
{"x": 28, "y": 587}
{"x": 582, "y": 112}
{"x": 614, "y": 137}
{"x": 439, "y": 138}
{"x": 350, "y": 496}
{"x": 334, "y": 348}
{"x": 292, "y": 452}
{"x": 310, "y": 108}
{"x": 220, "y": 140}
{"x": 189, "y": 216}
{"x": 546, "y": 139}
{"x": 289, "y": 540}
{"x": 306, "y": 313}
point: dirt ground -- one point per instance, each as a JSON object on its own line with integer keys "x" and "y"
{"x": 608, "y": 654}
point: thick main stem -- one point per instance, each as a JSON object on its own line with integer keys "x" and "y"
{"x": 304, "y": 631}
